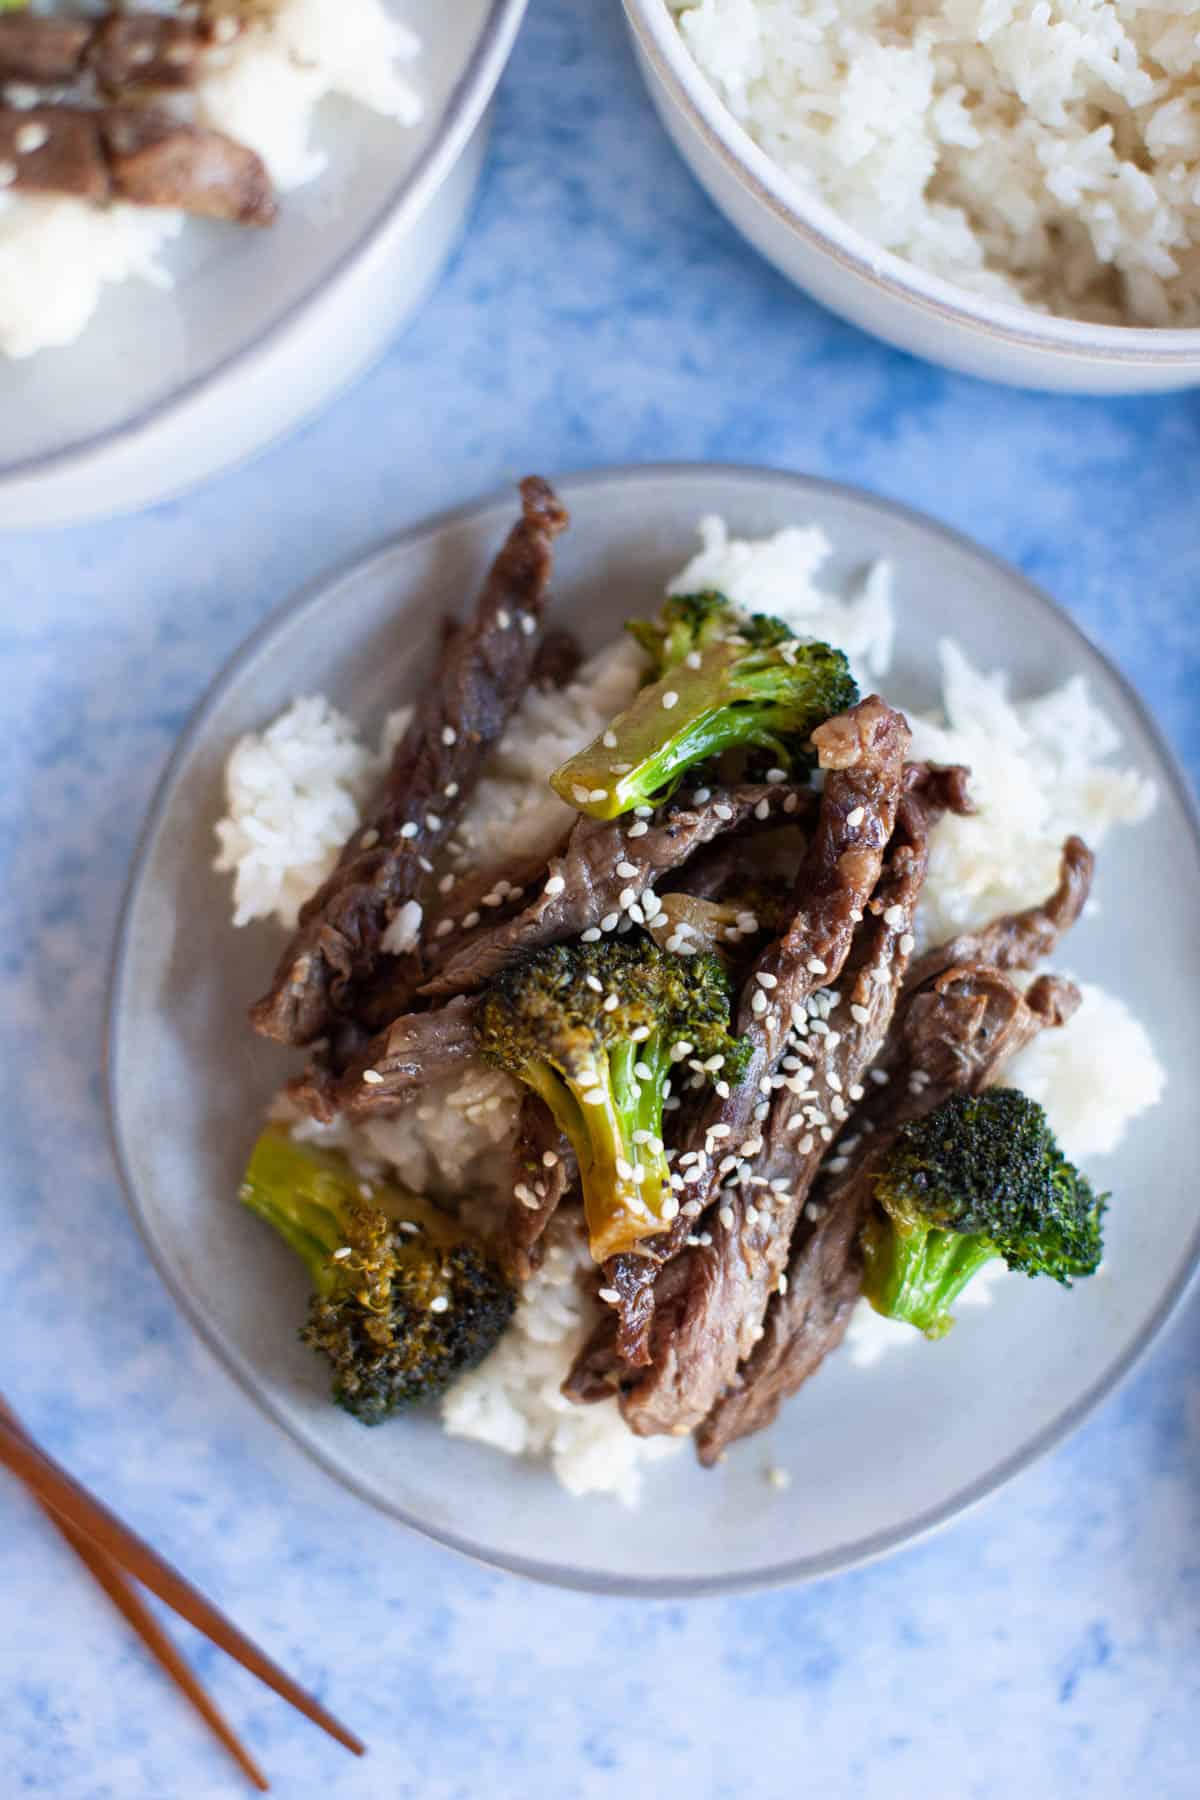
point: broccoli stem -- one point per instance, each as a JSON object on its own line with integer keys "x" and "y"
{"x": 303, "y": 1194}
{"x": 600, "y": 1107}
{"x": 689, "y": 715}
{"x": 917, "y": 1274}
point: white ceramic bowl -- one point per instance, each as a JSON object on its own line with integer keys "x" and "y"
{"x": 261, "y": 329}
{"x": 878, "y": 1455}
{"x": 874, "y": 289}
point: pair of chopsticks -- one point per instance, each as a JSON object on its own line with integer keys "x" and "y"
{"x": 112, "y": 1553}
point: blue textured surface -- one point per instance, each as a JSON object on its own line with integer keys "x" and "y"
{"x": 600, "y": 312}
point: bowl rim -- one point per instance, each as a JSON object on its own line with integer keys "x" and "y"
{"x": 464, "y": 108}
{"x": 793, "y": 1570}
{"x": 657, "y": 35}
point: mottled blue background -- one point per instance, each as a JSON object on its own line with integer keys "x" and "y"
{"x": 601, "y": 312}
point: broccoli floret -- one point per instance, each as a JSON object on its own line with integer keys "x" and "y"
{"x": 726, "y": 680}
{"x": 403, "y": 1300}
{"x": 595, "y": 1029}
{"x": 979, "y": 1177}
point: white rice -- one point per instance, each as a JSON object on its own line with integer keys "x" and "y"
{"x": 58, "y": 255}
{"x": 1040, "y": 769}
{"x": 1047, "y": 154}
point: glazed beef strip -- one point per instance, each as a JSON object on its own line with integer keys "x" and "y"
{"x": 155, "y": 161}
{"x": 470, "y": 907}
{"x": 698, "y": 1342}
{"x": 1020, "y": 940}
{"x": 485, "y": 669}
{"x": 545, "y": 1172}
{"x": 123, "y": 50}
{"x": 958, "y": 1032}
{"x": 607, "y": 867}
{"x": 135, "y": 154}
{"x": 415, "y": 1050}
{"x": 43, "y": 52}
{"x": 862, "y": 752}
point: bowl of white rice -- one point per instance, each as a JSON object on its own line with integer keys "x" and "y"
{"x": 897, "y": 1434}
{"x": 1004, "y": 187}
{"x": 142, "y": 350}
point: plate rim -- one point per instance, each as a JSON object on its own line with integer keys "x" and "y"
{"x": 792, "y": 1571}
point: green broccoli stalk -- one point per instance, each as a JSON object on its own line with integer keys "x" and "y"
{"x": 403, "y": 1300}
{"x": 979, "y": 1177}
{"x": 596, "y": 1029}
{"x": 727, "y": 680}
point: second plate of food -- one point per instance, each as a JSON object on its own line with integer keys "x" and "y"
{"x": 890, "y": 1430}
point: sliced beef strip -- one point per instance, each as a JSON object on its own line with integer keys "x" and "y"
{"x": 558, "y": 659}
{"x": 863, "y": 754}
{"x": 136, "y": 154}
{"x": 1020, "y": 940}
{"x": 484, "y": 671}
{"x": 607, "y": 867}
{"x": 697, "y": 1344}
{"x": 42, "y": 52}
{"x": 415, "y": 1050}
{"x": 155, "y": 161}
{"x": 148, "y": 50}
{"x": 545, "y": 1172}
{"x": 54, "y": 150}
{"x": 469, "y": 909}
{"x": 957, "y": 1035}
{"x": 122, "y": 50}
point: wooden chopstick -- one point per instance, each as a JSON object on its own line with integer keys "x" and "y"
{"x": 128, "y": 1602}
{"x": 72, "y": 1502}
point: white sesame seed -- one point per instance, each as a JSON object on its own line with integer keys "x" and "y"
{"x": 722, "y": 1088}
{"x": 432, "y": 822}
{"x": 372, "y": 1077}
{"x": 626, "y": 870}
{"x": 449, "y": 735}
{"x": 503, "y": 619}
{"x": 766, "y": 980}
{"x": 609, "y": 740}
{"x": 826, "y": 1134}
{"x": 30, "y": 138}
{"x": 639, "y": 1034}
{"x": 857, "y": 1091}
{"x": 763, "y": 809}
{"x": 528, "y": 624}
{"x": 895, "y": 916}
{"x": 598, "y": 794}
{"x": 639, "y": 829}
{"x": 860, "y": 1014}
{"x": 610, "y": 1296}
{"x": 693, "y": 659}
{"x": 726, "y": 1217}
{"x": 701, "y": 795}
{"x": 775, "y": 776}
{"x": 555, "y": 885}
{"x": 443, "y": 928}
{"x": 439, "y": 1304}
{"x": 594, "y": 982}
{"x": 590, "y": 936}
{"x": 626, "y": 898}
{"x": 670, "y": 699}
{"x": 751, "y": 1147}
{"x": 619, "y": 768}
{"x": 880, "y": 1077}
{"x": 611, "y": 1003}
{"x": 723, "y": 812}
{"x": 751, "y": 1215}
{"x": 345, "y": 1251}
{"x": 594, "y": 1098}
{"x": 856, "y": 817}
{"x": 791, "y": 803}
{"x": 758, "y": 1004}
{"x": 670, "y": 1207}
{"x": 816, "y": 966}
{"x": 409, "y": 831}
{"x": 835, "y": 1081}
{"x": 907, "y": 944}
{"x": 610, "y": 921}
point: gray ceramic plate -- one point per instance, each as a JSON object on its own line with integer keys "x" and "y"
{"x": 879, "y": 1455}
